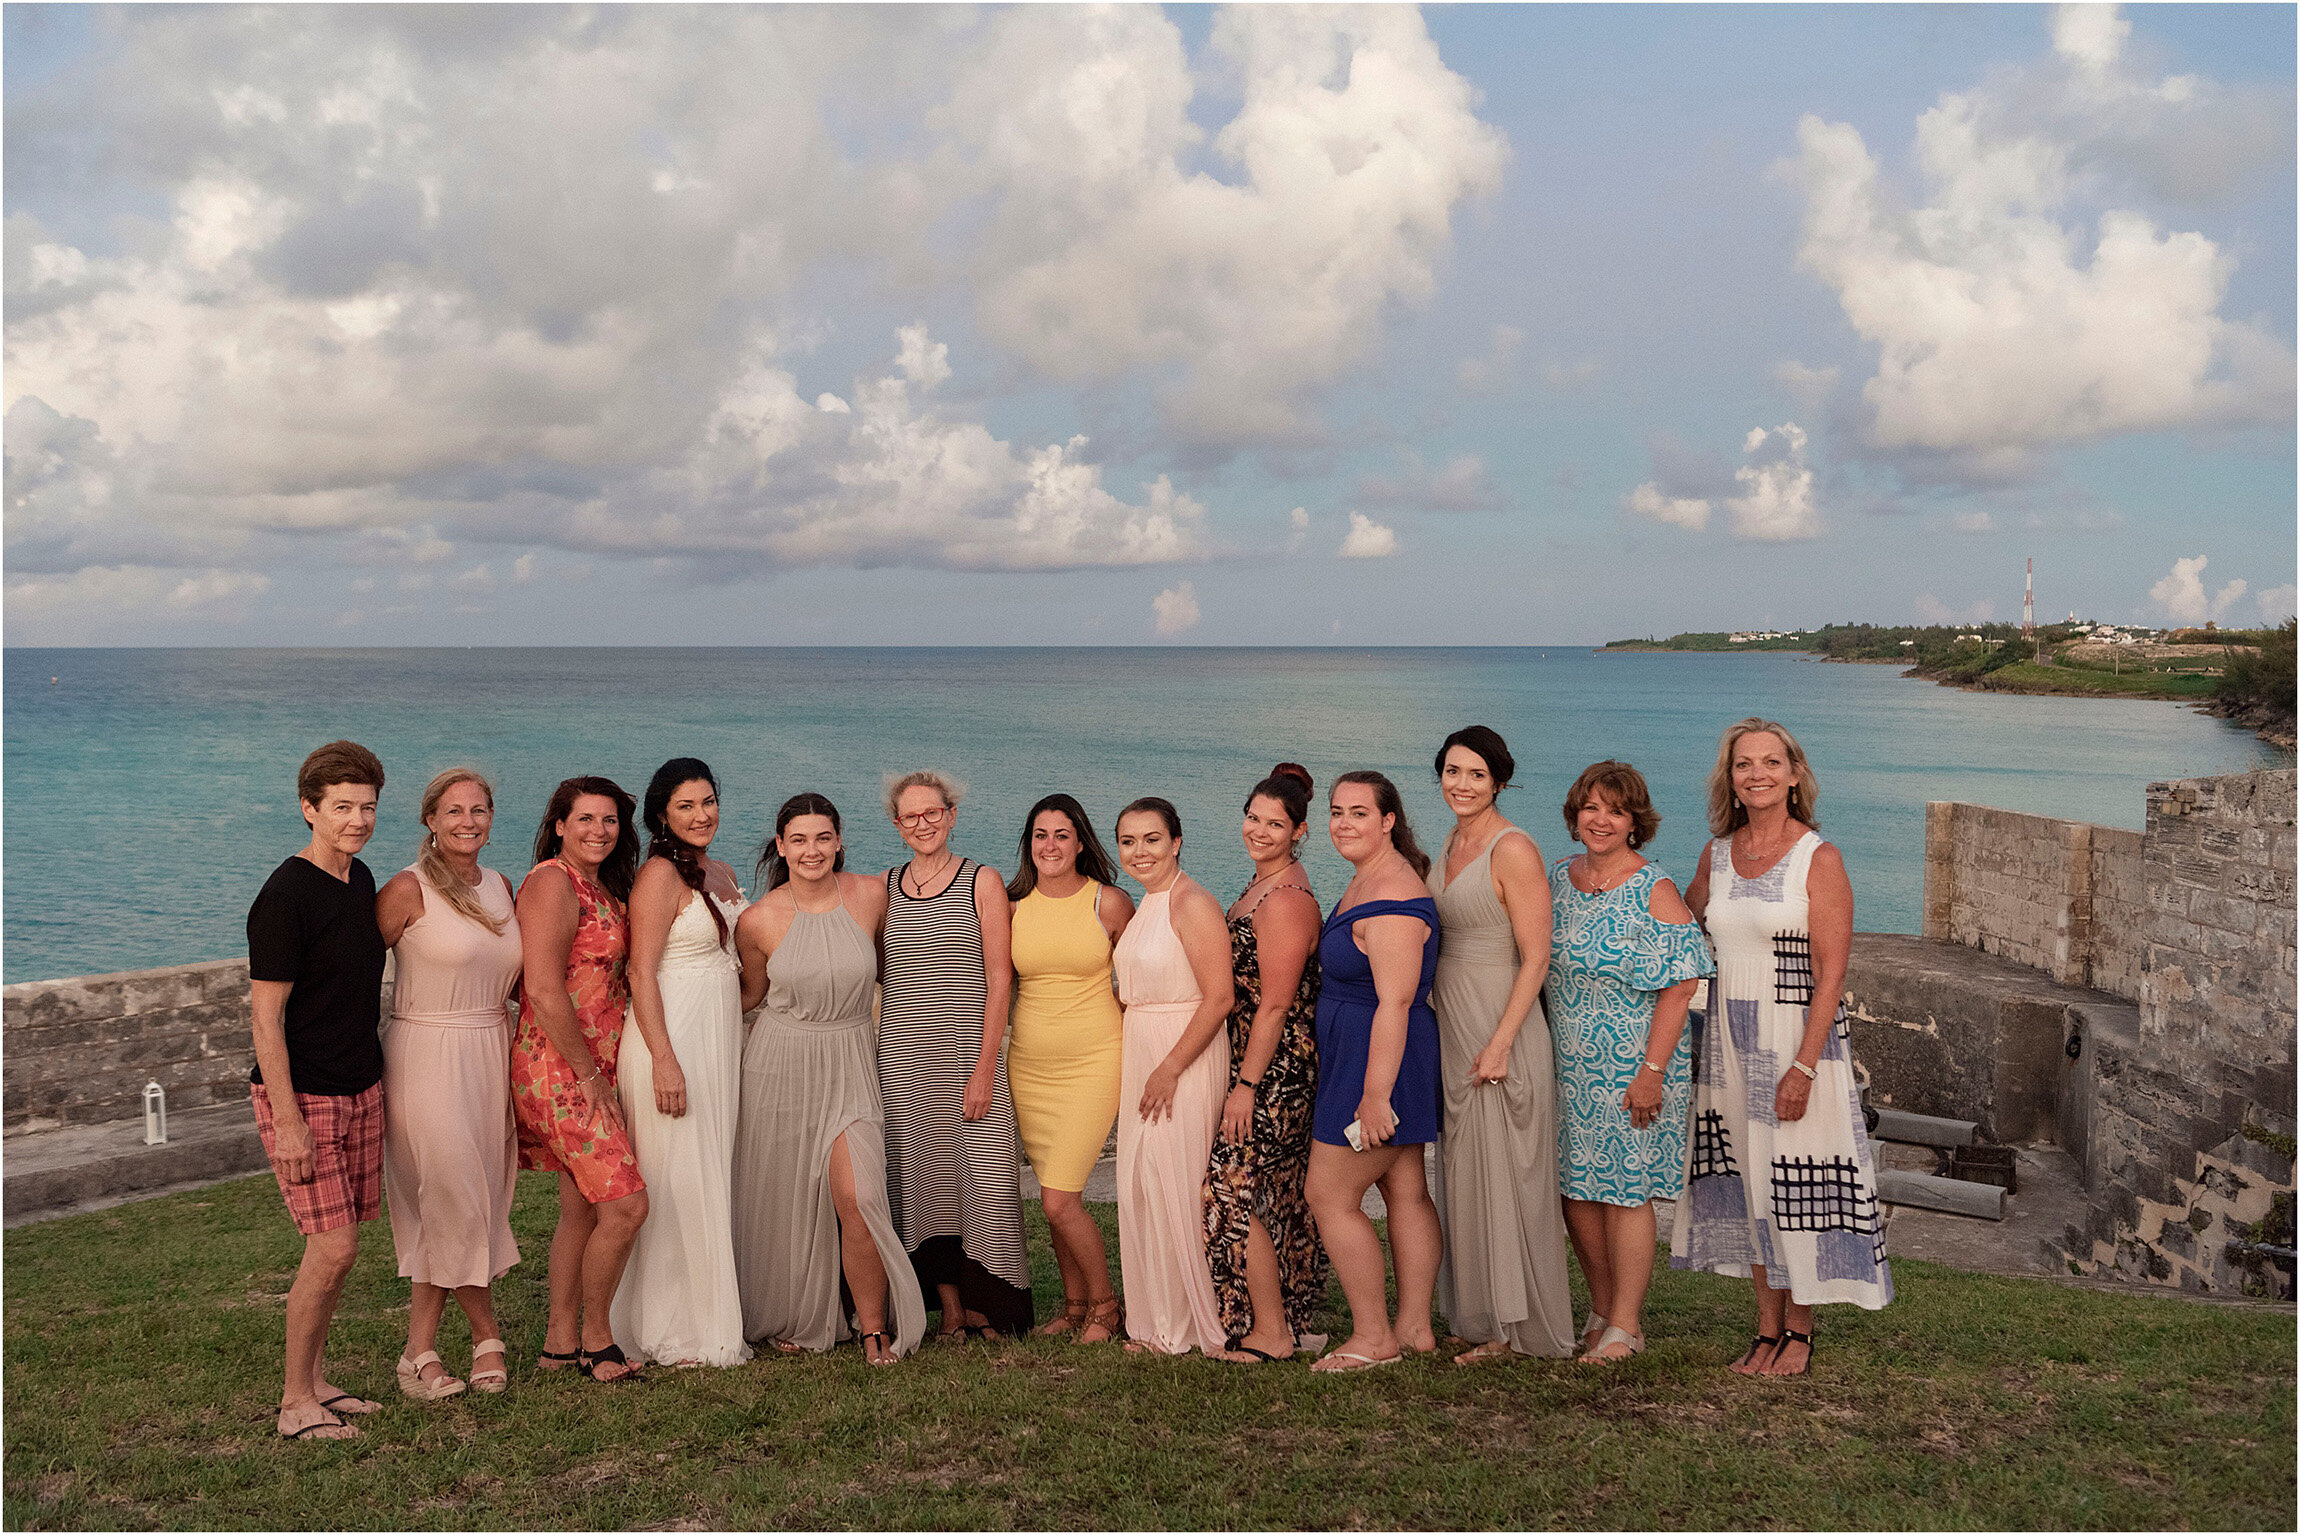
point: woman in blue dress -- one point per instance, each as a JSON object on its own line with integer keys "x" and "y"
{"x": 1624, "y": 959}
{"x": 1377, "y": 1075}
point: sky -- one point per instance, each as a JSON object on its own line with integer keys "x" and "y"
{"x": 1484, "y": 324}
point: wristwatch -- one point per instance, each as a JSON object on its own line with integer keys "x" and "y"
{"x": 1810, "y": 1073}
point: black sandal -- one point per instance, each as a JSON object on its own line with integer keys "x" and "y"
{"x": 885, "y": 1343}
{"x": 1756, "y": 1343}
{"x": 591, "y": 1359}
{"x": 1788, "y": 1337}
{"x": 1266, "y": 1358}
{"x": 548, "y": 1360}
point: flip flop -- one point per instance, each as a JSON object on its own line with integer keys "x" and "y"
{"x": 548, "y": 1360}
{"x": 360, "y": 1406}
{"x": 329, "y": 1421}
{"x": 611, "y": 1354}
{"x": 1364, "y": 1362}
{"x": 1260, "y": 1355}
{"x": 886, "y": 1348}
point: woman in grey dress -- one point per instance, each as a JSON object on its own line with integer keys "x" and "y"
{"x": 810, "y": 1148}
{"x": 1504, "y": 1219}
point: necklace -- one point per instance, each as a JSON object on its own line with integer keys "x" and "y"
{"x": 1751, "y": 853}
{"x": 1291, "y": 862}
{"x": 1602, "y": 881}
{"x": 911, "y": 874}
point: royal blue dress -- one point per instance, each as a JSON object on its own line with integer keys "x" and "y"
{"x": 1346, "y": 1003}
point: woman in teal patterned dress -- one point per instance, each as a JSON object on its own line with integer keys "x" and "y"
{"x": 1624, "y": 959}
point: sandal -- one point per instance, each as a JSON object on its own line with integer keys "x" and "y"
{"x": 1749, "y": 1358}
{"x": 414, "y": 1387}
{"x": 344, "y": 1403}
{"x": 1613, "y": 1335}
{"x": 1485, "y": 1353}
{"x": 547, "y": 1360}
{"x": 1591, "y": 1332}
{"x": 1073, "y": 1317}
{"x": 1109, "y": 1315}
{"x": 325, "y": 1420}
{"x": 591, "y": 1359}
{"x": 886, "y": 1353}
{"x": 1357, "y": 1362}
{"x": 1789, "y": 1336}
{"x": 494, "y": 1378}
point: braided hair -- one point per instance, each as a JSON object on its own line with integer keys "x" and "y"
{"x": 663, "y": 843}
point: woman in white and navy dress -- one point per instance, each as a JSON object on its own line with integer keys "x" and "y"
{"x": 1781, "y": 1181}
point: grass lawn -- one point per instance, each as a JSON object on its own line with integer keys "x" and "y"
{"x": 142, "y": 1349}
{"x": 2028, "y": 677}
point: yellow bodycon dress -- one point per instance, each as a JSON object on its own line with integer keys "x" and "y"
{"x": 1063, "y": 1055}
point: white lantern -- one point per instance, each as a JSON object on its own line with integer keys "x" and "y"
{"x": 155, "y": 1114}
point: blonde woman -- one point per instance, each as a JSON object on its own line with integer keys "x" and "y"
{"x": 450, "y": 1153}
{"x": 953, "y": 1150}
{"x": 1781, "y": 1179}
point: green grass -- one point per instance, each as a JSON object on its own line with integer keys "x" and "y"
{"x": 142, "y": 1348}
{"x": 2028, "y": 677}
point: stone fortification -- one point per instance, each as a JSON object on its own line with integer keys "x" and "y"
{"x": 79, "y": 1051}
{"x": 2064, "y": 897}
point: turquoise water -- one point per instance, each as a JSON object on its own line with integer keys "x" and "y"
{"x": 148, "y": 792}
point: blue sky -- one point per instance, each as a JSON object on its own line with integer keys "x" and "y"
{"x": 1051, "y": 325}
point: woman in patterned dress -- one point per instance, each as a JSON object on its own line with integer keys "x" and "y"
{"x": 574, "y": 938}
{"x": 1624, "y": 958}
{"x": 1269, "y": 1268}
{"x": 1777, "y": 1100}
{"x": 953, "y": 1150}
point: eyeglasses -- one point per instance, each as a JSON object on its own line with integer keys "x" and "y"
{"x": 923, "y": 817}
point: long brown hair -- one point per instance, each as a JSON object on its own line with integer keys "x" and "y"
{"x": 771, "y": 860}
{"x": 1093, "y": 862}
{"x": 621, "y": 866}
{"x": 664, "y": 844}
{"x": 1388, "y": 802}
{"x": 431, "y": 864}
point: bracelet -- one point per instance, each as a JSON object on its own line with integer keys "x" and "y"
{"x": 1659, "y": 1071}
{"x": 1810, "y": 1073}
{"x": 1251, "y": 1087}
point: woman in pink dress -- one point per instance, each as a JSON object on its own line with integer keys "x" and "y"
{"x": 450, "y": 1155}
{"x": 575, "y": 936}
{"x": 1173, "y": 968}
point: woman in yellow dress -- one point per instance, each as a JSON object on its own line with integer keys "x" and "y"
{"x": 1062, "y": 1057}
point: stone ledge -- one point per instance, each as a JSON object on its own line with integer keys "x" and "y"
{"x": 56, "y": 1171}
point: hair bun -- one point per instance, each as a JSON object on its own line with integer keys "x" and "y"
{"x": 1295, "y": 770}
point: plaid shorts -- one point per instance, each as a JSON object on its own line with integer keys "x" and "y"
{"x": 347, "y": 1158}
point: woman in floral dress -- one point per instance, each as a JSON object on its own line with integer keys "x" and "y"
{"x": 574, "y": 936}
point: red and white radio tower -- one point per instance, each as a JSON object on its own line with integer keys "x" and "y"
{"x": 2028, "y": 604}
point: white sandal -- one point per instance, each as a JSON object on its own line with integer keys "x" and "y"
{"x": 1612, "y": 1335}
{"x": 414, "y": 1386}
{"x": 491, "y": 1380}
{"x": 1592, "y": 1330}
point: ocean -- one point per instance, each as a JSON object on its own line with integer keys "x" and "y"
{"x": 149, "y": 792}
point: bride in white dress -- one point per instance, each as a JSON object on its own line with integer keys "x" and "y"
{"x": 680, "y": 1078}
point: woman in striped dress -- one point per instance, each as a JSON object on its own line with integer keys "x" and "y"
{"x": 953, "y": 1151}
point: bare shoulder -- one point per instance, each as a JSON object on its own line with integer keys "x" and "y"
{"x": 547, "y": 882}
{"x": 655, "y": 875}
{"x": 400, "y": 887}
{"x": 1115, "y": 899}
{"x": 862, "y": 889}
{"x": 1517, "y": 857}
{"x": 1196, "y": 902}
{"x": 1400, "y": 884}
{"x": 1666, "y": 904}
{"x": 989, "y": 883}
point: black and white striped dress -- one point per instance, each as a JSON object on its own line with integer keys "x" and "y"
{"x": 955, "y": 1187}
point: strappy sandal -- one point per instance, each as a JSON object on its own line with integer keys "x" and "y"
{"x": 1109, "y": 1315}
{"x": 1634, "y": 1342}
{"x": 1073, "y": 1317}
{"x": 415, "y": 1388}
{"x": 1486, "y": 1353}
{"x": 591, "y": 1359}
{"x": 1789, "y": 1336}
{"x": 547, "y": 1360}
{"x": 886, "y": 1349}
{"x": 358, "y": 1406}
{"x": 495, "y": 1378}
{"x": 1750, "y": 1356}
{"x": 326, "y": 1420}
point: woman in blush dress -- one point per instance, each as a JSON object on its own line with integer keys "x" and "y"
{"x": 1269, "y": 1268}
{"x": 1624, "y": 958}
{"x": 574, "y": 940}
{"x": 1378, "y": 1091}
{"x": 450, "y": 1153}
{"x": 679, "y": 1080}
{"x": 1781, "y": 1179}
{"x": 1064, "y": 1058}
{"x": 1504, "y": 1221}
{"x": 1173, "y": 966}
{"x": 810, "y": 1164}
{"x": 953, "y": 1152}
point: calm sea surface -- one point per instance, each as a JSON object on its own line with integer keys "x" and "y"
{"x": 148, "y": 792}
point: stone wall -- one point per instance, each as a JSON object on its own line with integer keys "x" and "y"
{"x": 79, "y": 1051}
{"x": 2064, "y": 897}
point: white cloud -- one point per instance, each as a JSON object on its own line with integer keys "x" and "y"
{"x": 1808, "y": 386}
{"x": 1776, "y": 500}
{"x": 2182, "y": 598}
{"x": 1931, "y": 610}
{"x": 1972, "y": 522}
{"x": 1174, "y": 610}
{"x": 1460, "y": 484}
{"x": 1350, "y": 148}
{"x": 925, "y": 363}
{"x": 2276, "y": 603}
{"x": 2004, "y": 319}
{"x": 1299, "y": 520}
{"x": 1648, "y": 500}
{"x": 523, "y": 569}
{"x": 1367, "y": 539}
{"x": 89, "y": 604}
{"x": 1495, "y": 366}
